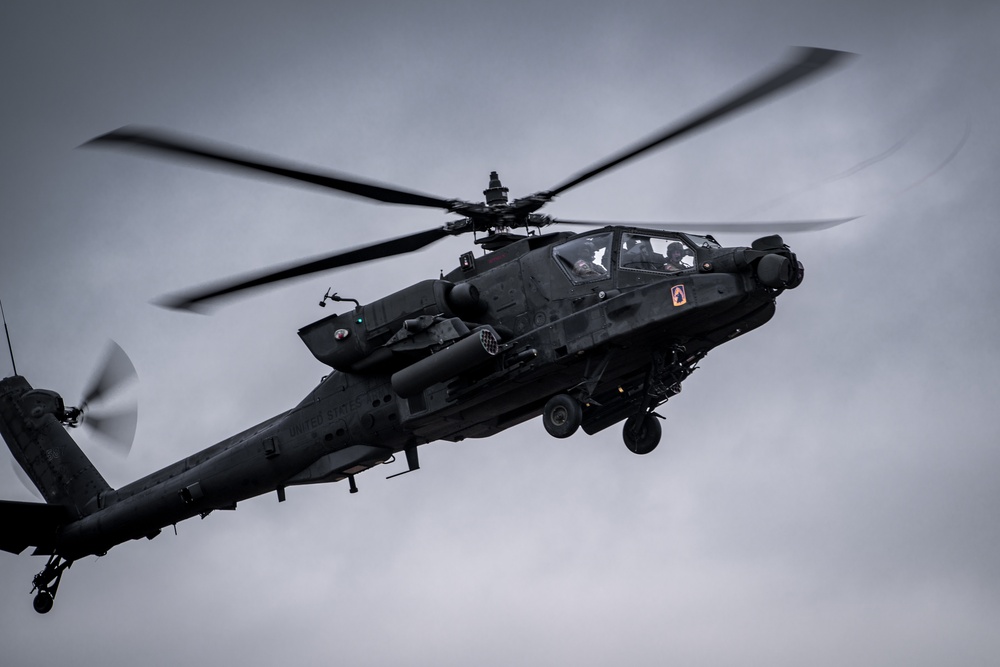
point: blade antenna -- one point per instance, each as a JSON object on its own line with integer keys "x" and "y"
{"x": 7, "y": 332}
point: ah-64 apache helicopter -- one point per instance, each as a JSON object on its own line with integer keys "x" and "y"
{"x": 586, "y": 330}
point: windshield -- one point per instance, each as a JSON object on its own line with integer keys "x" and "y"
{"x": 585, "y": 259}
{"x": 644, "y": 252}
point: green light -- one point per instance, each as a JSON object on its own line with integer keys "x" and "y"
{"x": 360, "y": 320}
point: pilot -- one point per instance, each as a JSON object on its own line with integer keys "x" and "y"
{"x": 675, "y": 256}
{"x": 588, "y": 266}
{"x": 642, "y": 256}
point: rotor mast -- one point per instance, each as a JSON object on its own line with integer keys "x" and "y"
{"x": 501, "y": 217}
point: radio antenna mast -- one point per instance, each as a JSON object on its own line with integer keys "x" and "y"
{"x": 7, "y": 332}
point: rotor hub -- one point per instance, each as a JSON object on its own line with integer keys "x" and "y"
{"x": 496, "y": 194}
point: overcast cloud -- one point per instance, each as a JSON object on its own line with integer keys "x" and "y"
{"x": 826, "y": 492}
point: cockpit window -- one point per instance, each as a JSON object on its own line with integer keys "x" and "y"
{"x": 655, "y": 253}
{"x": 587, "y": 258}
{"x": 703, "y": 241}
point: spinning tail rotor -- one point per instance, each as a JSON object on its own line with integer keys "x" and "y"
{"x": 115, "y": 426}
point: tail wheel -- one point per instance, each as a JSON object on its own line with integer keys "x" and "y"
{"x": 562, "y": 416}
{"x": 642, "y": 433}
{"x": 47, "y": 581}
{"x": 43, "y": 602}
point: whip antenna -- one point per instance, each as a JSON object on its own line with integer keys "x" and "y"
{"x": 7, "y": 332}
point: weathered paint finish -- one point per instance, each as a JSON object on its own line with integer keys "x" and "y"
{"x": 597, "y": 341}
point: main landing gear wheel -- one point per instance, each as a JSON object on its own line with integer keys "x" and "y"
{"x": 43, "y": 602}
{"x": 563, "y": 414}
{"x": 642, "y": 433}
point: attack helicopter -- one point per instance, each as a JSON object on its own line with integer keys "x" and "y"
{"x": 586, "y": 330}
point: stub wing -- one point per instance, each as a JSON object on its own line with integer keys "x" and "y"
{"x": 24, "y": 525}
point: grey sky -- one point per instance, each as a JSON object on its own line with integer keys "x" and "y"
{"x": 826, "y": 492}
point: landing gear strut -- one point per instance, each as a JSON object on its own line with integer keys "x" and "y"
{"x": 670, "y": 367}
{"x": 47, "y": 581}
{"x": 562, "y": 415}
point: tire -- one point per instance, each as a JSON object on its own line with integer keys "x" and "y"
{"x": 562, "y": 416}
{"x": 642, "y": 433}
{"x": 42, "y": 603}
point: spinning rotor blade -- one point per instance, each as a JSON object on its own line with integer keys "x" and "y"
{"x": 161, "y": 142}
{"x": 397, "y": 246}
{"x": 118, "y": 428}
{"x": 809, "y": 62}
{"x": 763, "y": 227}
{"x": 116, "y": 370}
{"x": 495, "y": 215}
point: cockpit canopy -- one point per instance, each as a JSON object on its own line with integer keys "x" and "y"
{"x": 585, "y": 259}
{"x": 663, "y": 254}
{"x": 589, "y": 258}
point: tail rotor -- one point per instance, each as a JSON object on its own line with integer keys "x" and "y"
{"x": 115, "y": 426}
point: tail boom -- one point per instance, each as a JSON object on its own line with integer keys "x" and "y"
{"x": 69, "y": 482}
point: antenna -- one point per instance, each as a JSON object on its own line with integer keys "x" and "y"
{"x": 7, "y": 331}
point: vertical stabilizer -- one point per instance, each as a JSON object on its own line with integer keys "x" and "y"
{"x": 30, "y": 423}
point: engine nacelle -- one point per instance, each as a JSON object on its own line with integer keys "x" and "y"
{"x": 353, "y": 341}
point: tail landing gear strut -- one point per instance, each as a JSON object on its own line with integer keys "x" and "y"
{"x": 47, "y": 581}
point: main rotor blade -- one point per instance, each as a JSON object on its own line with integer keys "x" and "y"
{"x": 763, "y": 227}
{"x": 159, "y": 141}
{"x": 116, "y": 370}
{"x": 403, "y": 244}
{"x": 809, "y": 61}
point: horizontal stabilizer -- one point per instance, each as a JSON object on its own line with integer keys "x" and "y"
{"x": 24, "y": 525}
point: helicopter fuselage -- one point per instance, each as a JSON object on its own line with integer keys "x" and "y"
{"x": 619, "y": 342}
{"x": 586, "y": 330}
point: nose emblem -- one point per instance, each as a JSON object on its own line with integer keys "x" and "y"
{"x": 678, "y": 295}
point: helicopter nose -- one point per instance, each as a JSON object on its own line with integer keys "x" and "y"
{"x": 797, "y": 275}
{"x": 780, "y": 271}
